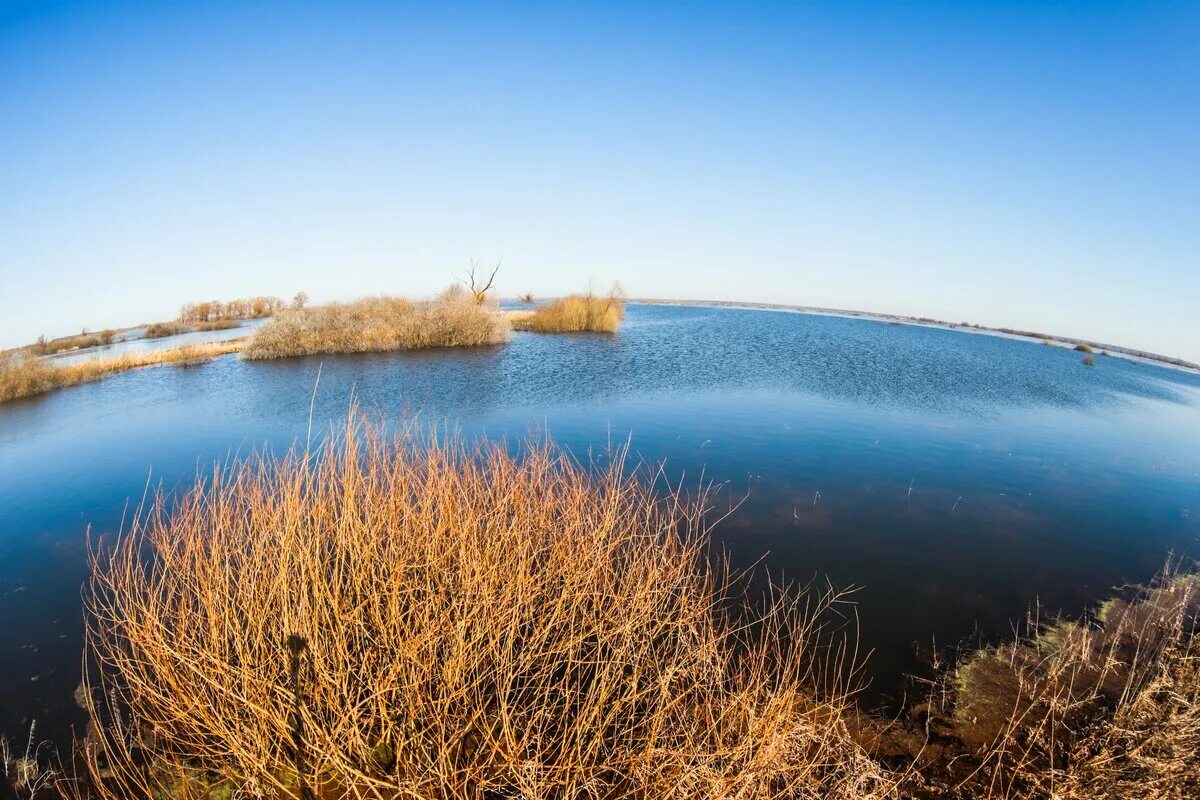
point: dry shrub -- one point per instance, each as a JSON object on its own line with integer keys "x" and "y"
{"x": 25, "y": 376}
{"x": 1105, "y": 708}
{"x": 378, "y": 324}
{"x": 577, "y": 313}
{"x": 159, "y": 330}
{"x": 470, "y": 623}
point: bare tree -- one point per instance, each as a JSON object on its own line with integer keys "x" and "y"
{"x": 300, "y": 300}
{"x": 477, "y": 288}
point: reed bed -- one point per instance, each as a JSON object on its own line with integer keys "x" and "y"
{"x": 23, "y": 376}
{"x": 407, "y": 616}
{"x": 378, "y": 324}
{"x": 577, "y": 313}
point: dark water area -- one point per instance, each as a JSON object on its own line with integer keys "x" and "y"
{"x": 957, "y": 479}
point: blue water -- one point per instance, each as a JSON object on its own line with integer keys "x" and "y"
{"x": 958, "y": 479}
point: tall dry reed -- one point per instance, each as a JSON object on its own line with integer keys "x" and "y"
{"x": 464, "y": 623}
{"x": 577, "y": 313}
{"x": 378, "y": 324}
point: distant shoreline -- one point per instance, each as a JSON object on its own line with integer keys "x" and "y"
{"x": 902, "y": 319}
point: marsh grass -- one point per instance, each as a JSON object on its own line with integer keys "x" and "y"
{"x": 471, "y": 620}
{"x": 576, "y": 314}
{"x": 1104, "y": 707}
{"x": 24, "y": 376}
{"x": 379, "y": 324}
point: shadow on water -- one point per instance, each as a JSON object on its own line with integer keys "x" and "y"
{"x": 956, "y": 478}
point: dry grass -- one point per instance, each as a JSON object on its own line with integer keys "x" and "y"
{"x": 26, "y": 376}
{"x": 378, "y": 324}
{"x": 1103, "y": 709}
{"x": 466, "y": 623}
{"x": 576, "y": 314}
{"x": 81, "y": 341}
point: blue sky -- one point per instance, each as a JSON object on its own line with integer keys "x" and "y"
{"x": 1032, "y": 165}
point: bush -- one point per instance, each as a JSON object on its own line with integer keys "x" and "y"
{"x": 1083, "y": 348}
{"x": 577, "y": 313}
{"x": 465, "y": 623}
{"x": 378, "y": 324}
{"x": 1108, "y": 707}
{"x": 159, "y": 330}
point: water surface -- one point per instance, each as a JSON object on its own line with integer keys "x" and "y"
{"x": 958, "y": 479}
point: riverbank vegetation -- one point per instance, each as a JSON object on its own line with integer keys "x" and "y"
{"x": 380, "y": 324}
{"x": 1104, "y": 707}
{"x": 46, "y": 347}
{"x": 575, "y": 314}
{"x": 22, "y": 375}
{"x": 426, "y": 618}
{"x": 242, "y": 308}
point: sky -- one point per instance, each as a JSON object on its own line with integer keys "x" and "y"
{"x": 1025, "y": 164}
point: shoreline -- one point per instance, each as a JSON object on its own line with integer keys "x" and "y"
{"x": 1119, "y": 351}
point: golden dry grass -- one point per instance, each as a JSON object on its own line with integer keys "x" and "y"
{"x": 1107, "y": 708}
{"x": 467, "y": 623}
{"x": 25, "y": 376}
{"x": 577, "y": 313}
{"x": 378, "y": 324}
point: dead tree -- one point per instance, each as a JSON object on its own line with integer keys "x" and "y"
{"x": 479, "y": 292}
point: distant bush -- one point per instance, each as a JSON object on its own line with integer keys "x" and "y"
{"x": 1083, "y": 348}
{"x": 578, "y": 313}
{"x": 159, "y": 330}
{"x": 242, "y": 308}
{"x": 79, "y": 341}
{"x": 379, "y": 324}
{"x": 218, "y": 325}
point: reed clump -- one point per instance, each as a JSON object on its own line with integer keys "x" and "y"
{"x": 379, "y": 324}
{"x": 26, "y": 376}
{"x": 404, "y": 616}
{"x": 577, "y": 313}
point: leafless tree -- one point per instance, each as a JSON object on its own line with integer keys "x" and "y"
{"x": 477, "y": 287}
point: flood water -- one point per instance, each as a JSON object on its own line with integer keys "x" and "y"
{"x": 958, "y": 479}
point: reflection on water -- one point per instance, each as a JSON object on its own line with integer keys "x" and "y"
{"x": 956, "y": 478}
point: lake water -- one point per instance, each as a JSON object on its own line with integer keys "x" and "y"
{"x": 958, "y": 479}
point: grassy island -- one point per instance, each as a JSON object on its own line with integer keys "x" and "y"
{"x": 379, "y": 324}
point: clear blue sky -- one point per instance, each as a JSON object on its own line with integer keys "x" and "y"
{"x": 1025, "y": 164}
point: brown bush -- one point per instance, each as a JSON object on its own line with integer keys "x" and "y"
{"x": 466, "y": 623}
{"x": 378, "y": 324}
{"x": 576, "y": 314}
{"x": 1106, "y": 708}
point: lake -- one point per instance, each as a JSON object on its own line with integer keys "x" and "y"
{"x": 958, "y": 479}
